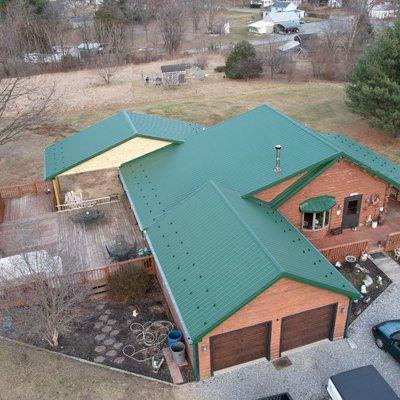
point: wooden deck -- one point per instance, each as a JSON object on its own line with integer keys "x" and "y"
{"x": 376, "y": 237}
{"x": 80, "y": 246}
{"x": 27, "y": 206}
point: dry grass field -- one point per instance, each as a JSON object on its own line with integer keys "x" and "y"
{"x": 84, "y": 100}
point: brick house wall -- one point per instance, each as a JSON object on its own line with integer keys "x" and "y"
{"x": 286, "y": 297}
{"x": 340, "y": 180}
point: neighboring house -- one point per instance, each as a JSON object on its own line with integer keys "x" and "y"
{"x": 283, "y": 7}
{"x": 283, "y": 17}
{"x": 293, "y": 47}
{"x": 243, "y": 238}
{"x": 173, "y": 74}
{"x": 261, "y": 27}
{"x": 260, "y": 3}
{"x": 382, "y": 11}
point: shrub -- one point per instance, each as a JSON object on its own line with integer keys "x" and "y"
{"x": 242, "y": 62}
{"x": 201, "y": 61}
{"x": 131, "y": 281}
{"x": 220, "y": 68}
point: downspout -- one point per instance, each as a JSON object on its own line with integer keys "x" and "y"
{"x": 196, "y": 361}
{"x": 348, "y": 318}
{"x": 163, "y": 277}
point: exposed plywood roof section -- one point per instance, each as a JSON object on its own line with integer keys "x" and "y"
{"x": 119, "y": 155}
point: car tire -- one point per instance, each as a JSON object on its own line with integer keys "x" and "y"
{"x": 379, "y": 343}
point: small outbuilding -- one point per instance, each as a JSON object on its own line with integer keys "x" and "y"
{"x": 261, "y": 27}
{"x": 173, "y": 74}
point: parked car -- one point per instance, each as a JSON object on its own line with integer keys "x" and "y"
{"x": 364, "y": 383}
{"x": 281, "y": 396}
{"x": 387, "y": 337}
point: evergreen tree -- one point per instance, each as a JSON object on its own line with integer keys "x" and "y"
{"x": 242, "y": 62}
{"x": 374, "y": 83}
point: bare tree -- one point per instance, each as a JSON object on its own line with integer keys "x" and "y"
{"x": 170, "y": 18}
{"x": 195, "y": 9}
{"x": 23, "y": 106}
{"x": 49, "y": 302}
{"x": 107, "y": 68}
{"x": 142, "y": 11}
{"x": 212, "y": 10}
{"x": 273, "y": 59}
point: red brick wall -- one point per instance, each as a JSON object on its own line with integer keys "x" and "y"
{"x": 340, "y": 180}
{"x": 270, "y": 193}
{"x": 286, "y": 297}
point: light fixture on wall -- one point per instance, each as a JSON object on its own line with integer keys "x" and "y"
{"x": 203, "y": 347}
{"x": 338, "y": 209}
{"x": 342, "y": 309}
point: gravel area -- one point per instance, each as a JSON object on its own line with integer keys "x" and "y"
{"x": 311, "y": 367}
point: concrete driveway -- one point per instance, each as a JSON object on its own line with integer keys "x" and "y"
{"x": 311, "y": 367}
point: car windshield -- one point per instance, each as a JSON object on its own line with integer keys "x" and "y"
{"x": 396, "y": 336}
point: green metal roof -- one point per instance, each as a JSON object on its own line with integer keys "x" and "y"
{"x": 218, "y": 251}
{"x": 367, "y": 158}
{"x": 238, "y": 152}
{"x": 317, "y": 204}
{"x": 109, "y": 133}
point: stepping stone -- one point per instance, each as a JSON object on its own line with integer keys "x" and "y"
{"x": 98, "y": 325}
{"x": 106, "y": 329}
{"x": 111, "y": 353}
{"x": 109, "y": 342}
{"x": 114, "y": 332}
{"x": 111, "y": 321}
{"x": 107, "y": 312}
{"x": 100, "y": 349}
{"x": 103, "y": 317}
{"x": 117, "y": 345}
{"x": 99, "y": 359}
{"x": 119, "y": 360}
{"x": 100, "y": 337}
{"x": 100, "y": 307}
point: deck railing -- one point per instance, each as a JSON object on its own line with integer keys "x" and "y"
{"x": 10, "y": 192}
{"x": 338, "y": 253}
{"x": 392, "y": 241}
{"x": 87, "y": 203}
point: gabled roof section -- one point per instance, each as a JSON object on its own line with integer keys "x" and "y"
{"x": 238, "y": 152}
{"x": 218, "y": 251}
{"x": 109, "y": 133}
{"x": 367, "y": 158}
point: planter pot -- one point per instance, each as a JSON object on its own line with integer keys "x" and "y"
{"x": 173, "y": 336}
{"x": 178, "y": 352}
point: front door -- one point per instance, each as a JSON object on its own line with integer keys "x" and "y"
{"x": 351, "y": 211}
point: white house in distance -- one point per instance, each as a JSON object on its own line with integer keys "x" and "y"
{"x": 382, "y": 11}
{"x": 261, "y": 27}
{"x": 283, "y": 17}
{"x": 288, "y": 8}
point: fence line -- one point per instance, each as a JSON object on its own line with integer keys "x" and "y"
{"x": 87, "y": 203}
{"x": 338, "y": 253}
{"x": 10, "y": 192}
{"x": 392, "y": 241}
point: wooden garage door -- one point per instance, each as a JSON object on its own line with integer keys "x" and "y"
{"x": 240, "y": 346}
{"x": 307, "y": 327}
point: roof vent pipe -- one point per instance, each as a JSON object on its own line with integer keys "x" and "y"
{"x": 278, "y": 149}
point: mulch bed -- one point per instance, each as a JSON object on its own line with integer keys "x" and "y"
{"x": 81, "y": 341}
{"x": 373, "y": 291}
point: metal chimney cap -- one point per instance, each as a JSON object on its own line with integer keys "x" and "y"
{"x": 278, "y": 147}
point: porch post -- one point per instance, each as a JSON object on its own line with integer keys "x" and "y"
{"x": 57, "y": 191}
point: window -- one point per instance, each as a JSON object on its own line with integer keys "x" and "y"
{"x": 317, "y": 220}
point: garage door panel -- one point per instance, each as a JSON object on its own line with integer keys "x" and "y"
{"x": 239, "y": 346}
{"x": 307, "y": 327}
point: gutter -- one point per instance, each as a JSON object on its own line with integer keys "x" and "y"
{"x": 167, "y": 287}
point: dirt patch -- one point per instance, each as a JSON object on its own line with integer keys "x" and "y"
{"x": 87, "y": 337}
{"x": 357, "y": 276}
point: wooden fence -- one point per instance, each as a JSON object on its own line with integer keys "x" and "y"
{"x": 338, "y": 253}
{"x": 10, "y": 192}
{"x": 392, "y": 241}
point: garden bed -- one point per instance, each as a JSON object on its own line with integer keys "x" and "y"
{"x": 88, "y": 341}
{"x": 373, "y": 291}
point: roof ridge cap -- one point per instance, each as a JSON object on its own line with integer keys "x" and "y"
{"x": 246, "y": 226}
{"x": 311, "y": 132}
{"x": 129, "y": 120}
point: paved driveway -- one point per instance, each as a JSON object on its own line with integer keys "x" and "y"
{"x": 307, "y": 377}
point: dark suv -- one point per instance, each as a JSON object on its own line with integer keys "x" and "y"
{"x": 387, "y": 337}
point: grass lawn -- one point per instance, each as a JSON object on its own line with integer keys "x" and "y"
{"x": 318, "y": 104}
{"x": 29, "y": 374}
